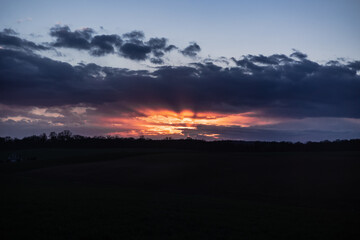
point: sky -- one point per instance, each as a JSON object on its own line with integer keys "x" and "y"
{"x": 241, "y": 70}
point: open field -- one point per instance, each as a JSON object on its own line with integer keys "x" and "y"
{"x": 173, "y": 194}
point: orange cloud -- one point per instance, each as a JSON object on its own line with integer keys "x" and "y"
{"x": 166, "y": 122}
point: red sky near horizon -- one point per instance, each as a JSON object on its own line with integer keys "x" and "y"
{"x": 230, "y": 77}
{"x": 157, "y": 123}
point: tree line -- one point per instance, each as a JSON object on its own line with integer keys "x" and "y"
{"x": 68, "y": 140}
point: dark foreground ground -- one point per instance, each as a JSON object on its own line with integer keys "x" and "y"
{"x": 154, "y": 194}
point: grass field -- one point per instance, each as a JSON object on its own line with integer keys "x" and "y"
{"x": 155, "y": 194}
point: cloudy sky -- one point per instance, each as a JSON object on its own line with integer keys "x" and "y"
{"x": 247, "y": 70}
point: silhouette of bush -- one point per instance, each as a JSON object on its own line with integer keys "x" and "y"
{"x": 67, "y": 139}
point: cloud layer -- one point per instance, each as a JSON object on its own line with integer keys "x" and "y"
{"x": 276, "y": 86}
{"x": 130, "y": 45}
{"x": 9, "y": 38}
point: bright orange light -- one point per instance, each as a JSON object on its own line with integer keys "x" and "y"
{"x": 166, "y": 122}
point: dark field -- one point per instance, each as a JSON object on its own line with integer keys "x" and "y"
{"x": 173, "y": 194}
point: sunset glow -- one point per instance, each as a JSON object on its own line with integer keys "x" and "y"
{"x": 228, "y": 75}
{"x": 166, "y": 122}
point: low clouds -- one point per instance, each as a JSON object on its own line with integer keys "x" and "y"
{"x": 266, "y": 87}
{"x": 191, "y": 50}
{"x": 9, "y": 38}
{"x": 298, "y": 55}
{"x": 268, "y": 134}
{"x": 130, "y": 45}
{"x": 78, "y": 39}
{"x": 83, "y": 39}
{"x": 283, "y": 87}
{"x": 135, "y": 51}
{"x": 105, "y": 44}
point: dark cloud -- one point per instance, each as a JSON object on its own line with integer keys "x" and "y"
{"x": 266, "y": 134}
{"x": 8, "y": 38}
{"x": 170, "y": 48}
{"x": 98, "y": 45}
{"x": 9, "y": 31}
{"x": 135, "y": 51}
{"x": 298, "y": 54}
{"x": 134, "y": 48}
{"x": 45, "y": 82}
{"x": 191, "y": 50}
{"x": 158, "y": 47}
{"x": 131, "y": 45}
{"x": 157, "y": 43}
{"x": 283, "y": 87}
{"x": 273, "y": 59}
{"x": 78, "y": 39}
{"x": 134, "y": 36}
{"x": 105, "y": 44}
{"x": 156, "y": 60}
{"x": 246, "y": 63}
{"x": 158, "y": 53}
{"x": 355, "y": 65}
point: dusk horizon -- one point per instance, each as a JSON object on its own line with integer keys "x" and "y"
{"x": 161, "y": 119}
{"x": 98, "y": 80}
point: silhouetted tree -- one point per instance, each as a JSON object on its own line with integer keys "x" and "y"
{"x": 67, "y": 139}
{"x": 64, "y": 135}
{"x": 43, "y": 137}
{"x": 53, "y": 136}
